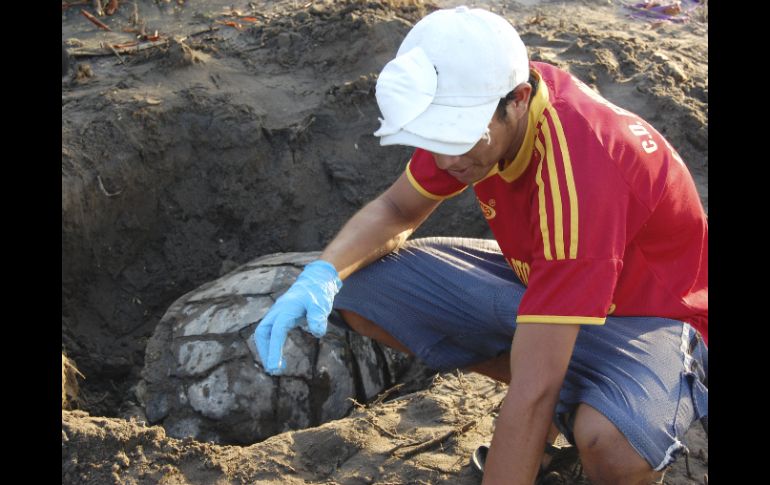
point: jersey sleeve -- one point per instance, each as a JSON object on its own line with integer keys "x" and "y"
{"x": 578, "y": 223}
{"x": 429, "y": 180}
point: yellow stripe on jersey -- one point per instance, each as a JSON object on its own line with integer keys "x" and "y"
{"x": 573, "y": 199}
{"x": 553, "y": 178}
{"x": 560, "y": 320}
{"x": 541, "y": 203}
{"x": 424, "y": 192}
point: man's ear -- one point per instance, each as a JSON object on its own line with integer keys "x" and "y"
{"x": 519, "y": 106}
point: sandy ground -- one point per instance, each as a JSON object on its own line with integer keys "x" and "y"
{"x": 424, "y": 437}
{"x": 188, "y": 155}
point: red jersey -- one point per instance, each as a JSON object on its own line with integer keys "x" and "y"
{"x": 597, "y": 214}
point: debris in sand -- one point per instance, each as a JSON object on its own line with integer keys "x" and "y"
{"x": 671, "y": 10}
{"x": 73, "y": 42}
{"x": 419, "y": 448}
{"x": 110, "y": 46}
{"x": 98, "y": 8}
{"x": 69, "y": 382}
{"x": 676, "y": 72}
{"x": 230, "y": 23}
{"x": 112, "y": 7}
{"x": 125, "y": 45}
{"x": 66, "y": 5}
{"x": 238, "y": 20}
{"x": 134, "y": 18}
{"x": 180, "y": 54}
{"x": 83, "y": 72}
{"x": 95, "y": 20}
{"x": 536, "y": 20}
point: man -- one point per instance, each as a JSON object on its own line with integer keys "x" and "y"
{"x": 592, "y": 303}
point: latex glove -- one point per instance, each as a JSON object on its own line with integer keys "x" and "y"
{"x": 311, "y": 296}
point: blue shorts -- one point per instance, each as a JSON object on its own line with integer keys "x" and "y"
{"x": 453, "y": 303}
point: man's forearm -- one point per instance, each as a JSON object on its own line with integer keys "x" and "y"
{"x": 379, "y": 228}
{"x": 540, "y": 355}
{"x": 371, "y": 233}
{"x": 519, "y": 440}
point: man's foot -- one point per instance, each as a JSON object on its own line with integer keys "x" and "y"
{"x": 560, "y": 462}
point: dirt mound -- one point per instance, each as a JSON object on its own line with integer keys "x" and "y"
{"x": 423, "y": 437}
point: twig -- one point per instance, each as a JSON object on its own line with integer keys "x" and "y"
{"x": 431, "y": 443}
{"x": 384, "y": 394}
{"x": 133, "y": 43}
{"x": 95, "y": 20}
{"x": 435, "y": 468}
{"x": 104, "y": 191}
{"x": 111, "y": 7}
{"x": 230, "y": 23}
{"x": 98, "y": 8}
{"x": 114, "y": 52}
{"x": 357, "y": 404}
{"x": 284, "y": 465}
{"x": 382, "y": 430}
{"x": 393, "y": 450}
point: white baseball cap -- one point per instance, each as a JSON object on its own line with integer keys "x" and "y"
{"x": 452, "y": 69}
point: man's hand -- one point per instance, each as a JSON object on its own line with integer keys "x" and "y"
{"x": 311, "y": 296}
{"x": 540, "y": 355}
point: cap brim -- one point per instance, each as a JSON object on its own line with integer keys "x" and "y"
{"x": 447, "y": 130}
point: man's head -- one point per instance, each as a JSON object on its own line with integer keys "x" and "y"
{"x": 444, "y": 86}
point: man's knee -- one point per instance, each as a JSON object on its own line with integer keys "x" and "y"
{"x": 606, "y": 454}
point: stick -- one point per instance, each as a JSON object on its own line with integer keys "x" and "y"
{"x": 95, "y": 20}
{"x": 430, "y": 443}
{"x": 383, "y": 430}
{"x": 98, "y": 8}
{"x": 384, "y": 394}
{"x": 358, "y": 405}
{"x": 114, "y": 52}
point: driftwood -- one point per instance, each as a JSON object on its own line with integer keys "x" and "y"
{"x": 133, "y": 49}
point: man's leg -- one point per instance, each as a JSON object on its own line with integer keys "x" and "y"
{"x": 437, "y": 299}
{"x": 497, "y": 368}
{"x": 633, "y": 388}
{"x": 607, "y": 456}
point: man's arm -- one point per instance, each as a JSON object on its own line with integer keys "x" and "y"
{"x": 540, "y": 356}
{"x": 379, "y": 228}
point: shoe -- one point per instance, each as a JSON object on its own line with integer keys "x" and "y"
{"x": 565, "y": 462}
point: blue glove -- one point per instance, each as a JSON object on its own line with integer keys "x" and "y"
{"x": 311, "y": 296}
